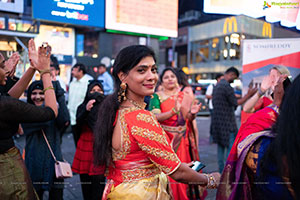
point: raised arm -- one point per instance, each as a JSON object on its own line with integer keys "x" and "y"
{"x": 251, "y": 92}
{"x": 251, "y": 102}
{"x": 17, "y": 90}
{"x": 43, "y": 66}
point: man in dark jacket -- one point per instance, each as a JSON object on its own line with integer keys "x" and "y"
{"x": 224, "y": 128}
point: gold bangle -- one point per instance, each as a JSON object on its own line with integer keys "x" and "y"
{"x": 48, "y": 88}
{"x": 46, "y": 71}
{"x": 211, "y": 182}
{"x": 174, "y": 111}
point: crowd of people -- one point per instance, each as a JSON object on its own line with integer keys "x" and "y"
{"x": 124, "y": 150}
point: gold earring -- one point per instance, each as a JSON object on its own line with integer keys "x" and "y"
{"x": 122, "y": 92}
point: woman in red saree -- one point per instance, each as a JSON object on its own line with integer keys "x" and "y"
{"x": 175, "y": 110}
{"x": 244, "y": 164}
{"x": 130, "y": 141}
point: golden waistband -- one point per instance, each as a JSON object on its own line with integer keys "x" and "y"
{"x": 140, "y": 173}
{"x": 177, "y": 129}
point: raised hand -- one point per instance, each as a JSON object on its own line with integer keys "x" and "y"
{"x": 32, "y": 54}
{"x": 266, "y": 83}
{"x": 44, "y": 53}
{"x": 195, "y": 107}
{"x": 279, "y": 90}
{"x": 90, "y": 105}
{"x": 178, "y": 101}
{"x": 251, "y": 92}
{"x": 11, "y": 63}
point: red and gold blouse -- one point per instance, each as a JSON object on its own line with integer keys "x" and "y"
{"x": 145, "y": 150}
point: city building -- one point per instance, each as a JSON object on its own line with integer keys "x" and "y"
{"x": 212, "y": 47}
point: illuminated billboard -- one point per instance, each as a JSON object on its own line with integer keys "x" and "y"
{"x": 61, "y": 39}
{"x": 12, "y": 5}
{"x": 80, "y": 12}
{"x": 286, "y": 12}
{"x": 153, "y": 17}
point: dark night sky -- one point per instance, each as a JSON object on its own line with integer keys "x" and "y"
{"x": 186, "y": 5}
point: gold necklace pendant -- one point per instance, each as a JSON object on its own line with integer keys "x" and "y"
{"x": 136, "y": 104}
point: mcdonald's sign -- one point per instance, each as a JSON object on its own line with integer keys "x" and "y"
{"x": 267, "y": 30}
{"x": 230, "y": 22}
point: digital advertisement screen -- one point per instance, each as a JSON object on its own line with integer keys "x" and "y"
{"x": 154, "y": 17}
{"x": 80, "y": 12}
{"x": 12, "y": 5}
{"x": 286, "y": 12}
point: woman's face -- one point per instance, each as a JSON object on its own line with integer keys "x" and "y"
{"x": 274, "y": 75}
{"x": 142, "y": 78}
{"x": 37, "y": 96}
{"x": 169, "y": 80}
{"x": 96, "y": 88}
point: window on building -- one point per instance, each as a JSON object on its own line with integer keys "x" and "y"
{"x": 2, "y": 23}
{"x": 234, "y": 51}
{"x": 182, "y": 60}
{"x": 215, "y": 49}
{"x": 201, "y": 51}
{"x": 87, "y": 44}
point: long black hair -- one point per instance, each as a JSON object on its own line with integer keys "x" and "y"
{"x": 285, "y": 148}
{"x": 182, "y": 78}
{"x": 127, "y": 58}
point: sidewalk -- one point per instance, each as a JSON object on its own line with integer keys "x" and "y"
{"x": 72, "y": 191}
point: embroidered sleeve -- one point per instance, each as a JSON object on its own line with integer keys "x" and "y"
{"x": 152, "y": 140}
{"x": 154, "y": 105}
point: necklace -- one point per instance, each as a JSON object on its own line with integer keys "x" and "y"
{"x": 172, "y": 93}
{"x": 136, "y": 104}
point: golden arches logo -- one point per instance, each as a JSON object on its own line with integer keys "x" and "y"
{"x": 267, "y": 30}
{"x": 230, "y": 22}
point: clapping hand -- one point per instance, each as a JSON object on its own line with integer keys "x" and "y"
{"x": 178, "y": 101}
{"x": 11, "y": 63}
{"x": 195, "y": 107}
{"x": 43, "y": 61}
{"x": 266, "y": 84}
{"x": 32, "y": 54}
{"x": 279, "y": 90}
{"x": 251, "y": 92}
{"x": 90, "y": 105}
